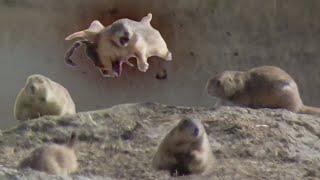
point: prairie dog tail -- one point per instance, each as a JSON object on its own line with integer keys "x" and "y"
{"x": 310, "y": 110}
{"x": 72, "y": 140}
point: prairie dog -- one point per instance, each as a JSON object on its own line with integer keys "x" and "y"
{"x": 41, "y": 96}
{"x": 260, "y": 87}
{"x": 122, "y": 40}
{"x": 185, "y": 150}
{"x": 53, "y": 158}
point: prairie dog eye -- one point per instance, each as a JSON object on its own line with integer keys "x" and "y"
{"x": 217, "y": 83}
{"x": 196, "y": 131}
{"x": 126, "y": 34}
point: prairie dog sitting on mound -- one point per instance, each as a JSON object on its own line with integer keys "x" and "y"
{"x": 260, "y": 87}
{"x": 185, "y": 150}
{"x": 118, "y": 42}
{"x": 53, "y": 158}
{"x": 41, "y": 96}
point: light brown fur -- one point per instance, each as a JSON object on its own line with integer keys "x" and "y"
{"x": 124, "y": 39}
{"x": 182, "y": 152}
{"x": 260, "y": 87}
{"x": 41, "y": 96}
{"x": 53, "y": 159}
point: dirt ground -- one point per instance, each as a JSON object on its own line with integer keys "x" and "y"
{"x": 119, "y": 143}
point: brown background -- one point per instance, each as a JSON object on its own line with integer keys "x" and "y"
{"x": 206, "y": 37}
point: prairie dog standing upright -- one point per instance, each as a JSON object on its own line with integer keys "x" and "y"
{"x": 260, "y": 87}
{"x": 185, "y": 149}
{"x": 121, "y": 40}
{"x": 53, "y": 158}
{"x": 41, "y": 96}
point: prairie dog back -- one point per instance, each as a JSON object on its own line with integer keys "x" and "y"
{"x": 260, "y": 87}
{"x": 53, "y": 158}
{"x": 41, "y": 96}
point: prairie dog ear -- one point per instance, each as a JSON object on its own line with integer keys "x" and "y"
{"x": 147, "y": 19}
{"x": 89, "y": 34}
{"x": 95, "y": 26}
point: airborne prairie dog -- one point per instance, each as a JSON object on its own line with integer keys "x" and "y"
{"x": 41, "y": 96}
{"x": 122, "y": 40}
{"x": 53, "y": 158}
{"x": 260, "y": 87}
{"x": 185, "y": 150}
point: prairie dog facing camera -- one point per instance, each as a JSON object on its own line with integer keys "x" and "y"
{"x": 260, "y": 87}
{"x": 53, "y": 158}
{"x": 185, "y": 150}
{"x": 41, "y": 96}
{"x": 122, "y": 40}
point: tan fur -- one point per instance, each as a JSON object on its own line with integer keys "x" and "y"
{"x": 182, "y": 153}
{"x": 143, "y": 41}
{"x": 53, "y": 159}
{"x": 260, "y": 87}
{"x": 41, "y": 96}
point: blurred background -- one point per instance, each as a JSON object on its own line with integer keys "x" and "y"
{"x": 206, "y": 37}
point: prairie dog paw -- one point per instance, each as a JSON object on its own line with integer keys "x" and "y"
{"x": 142, "y": 66}
{"x": 105, "y": 73}
{"x": 169, "y": 56}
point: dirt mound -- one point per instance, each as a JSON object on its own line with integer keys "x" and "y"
{"x": 119, "y": 143}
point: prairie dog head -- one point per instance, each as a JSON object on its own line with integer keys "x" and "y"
{"x": 226, "y": 84}
{"x": 185, "y": 150}
{"x": 37, "y": 88}
{"x": 53, "y": 158}
{"x": 120, "y": 33}
{"x": 188, "y": 130}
